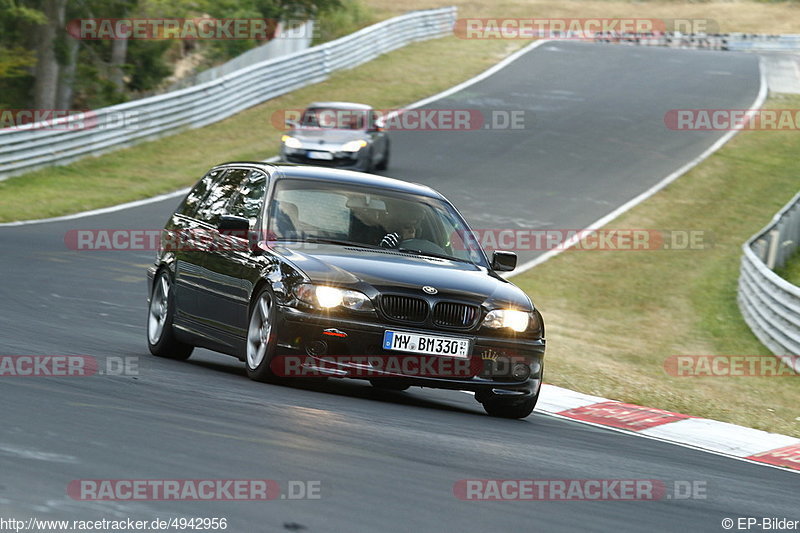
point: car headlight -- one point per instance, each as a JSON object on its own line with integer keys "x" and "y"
{"x": 353, "y": 146}
{"x": 507, "y": 318}
{"x": 291, "y": 142}
{"x": 327, "y": 297}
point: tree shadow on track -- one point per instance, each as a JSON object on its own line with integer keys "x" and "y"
{"x": 353, "y": 388}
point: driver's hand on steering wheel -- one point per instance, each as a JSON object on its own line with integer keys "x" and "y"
{"x": 406, "y": 230}
{"x": 391, "y": 240}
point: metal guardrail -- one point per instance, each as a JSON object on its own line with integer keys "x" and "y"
{"x": 738, "y": 42}
{"x": 110, "y": 128}
{"x": 764, "y": 43}
{"x": 770, "y": 304}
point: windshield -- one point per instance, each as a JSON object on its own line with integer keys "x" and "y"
{"x": 336, "y": 213}
{"x": 332, "y": 118}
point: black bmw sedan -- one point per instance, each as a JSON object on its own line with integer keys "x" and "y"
{"x": 310, "y": 272}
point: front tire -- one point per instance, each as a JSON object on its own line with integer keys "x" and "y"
{"x": 501, "y": 407}
{"x": 384, "y": 164}
{"x": 261, "y": 338}
{"x": 369, "y": 165}
{"x": 160, "y": 335}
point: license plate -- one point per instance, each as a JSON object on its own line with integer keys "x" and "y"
{"x": 426, "y": 344}
{"x": 320, "y": 155}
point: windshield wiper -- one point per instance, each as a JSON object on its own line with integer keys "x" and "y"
{"x": 326, "y": 240}
{"x": 434, "y": 254}
{"x": 343, "y": 242}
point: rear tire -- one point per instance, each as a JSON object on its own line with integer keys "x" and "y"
{"x": 160, "y": 335}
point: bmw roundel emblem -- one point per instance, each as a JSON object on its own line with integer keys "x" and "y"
{"x": 429, "y": 290}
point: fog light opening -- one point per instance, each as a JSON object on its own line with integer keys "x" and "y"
{"x": 317, "y": 348}
{"x": 520, "y": 371}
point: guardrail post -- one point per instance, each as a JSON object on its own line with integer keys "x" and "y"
{"x": 774, "y": 244}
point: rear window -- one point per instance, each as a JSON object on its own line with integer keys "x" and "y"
{"x": 196, "y": 195}
{"x": 213, "y": 205}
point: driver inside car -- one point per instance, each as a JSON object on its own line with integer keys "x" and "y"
{"x": 405, "y": 230}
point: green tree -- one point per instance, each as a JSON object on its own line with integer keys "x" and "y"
{"x": 17, "y": 56}
{"x": 42, "y": 65}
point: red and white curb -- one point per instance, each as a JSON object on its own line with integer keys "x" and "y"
{"x": 710, "y": 435}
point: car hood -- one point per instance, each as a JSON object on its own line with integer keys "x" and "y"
{"x": 389, "y": 270}
{"x": 325, "y": 136}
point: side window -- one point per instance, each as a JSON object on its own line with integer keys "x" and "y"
{"x": 196, "y": 195}
{"x": 318, "y": 212}
{"x": 213, "y": 205}
{"x": 250, "y": 197}
{"x": 460, "y": 243}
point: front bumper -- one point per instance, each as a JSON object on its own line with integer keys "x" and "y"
{"x": 492, "y": 357}
{"x": 151, "y": 276}
{"x": 343, "y": 160}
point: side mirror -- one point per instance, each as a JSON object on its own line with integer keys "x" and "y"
{"x": 233, "y": 225}
{"x": 291, "y": 124}
{"x": 239, "y": 227}
{"x": 504, "y": 261}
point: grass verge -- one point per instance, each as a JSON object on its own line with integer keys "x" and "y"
{"x": 614, "y": 317}
{"x": 730, "y": 15}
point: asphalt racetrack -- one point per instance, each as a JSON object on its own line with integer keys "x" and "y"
{"x": 384, "y": 461}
